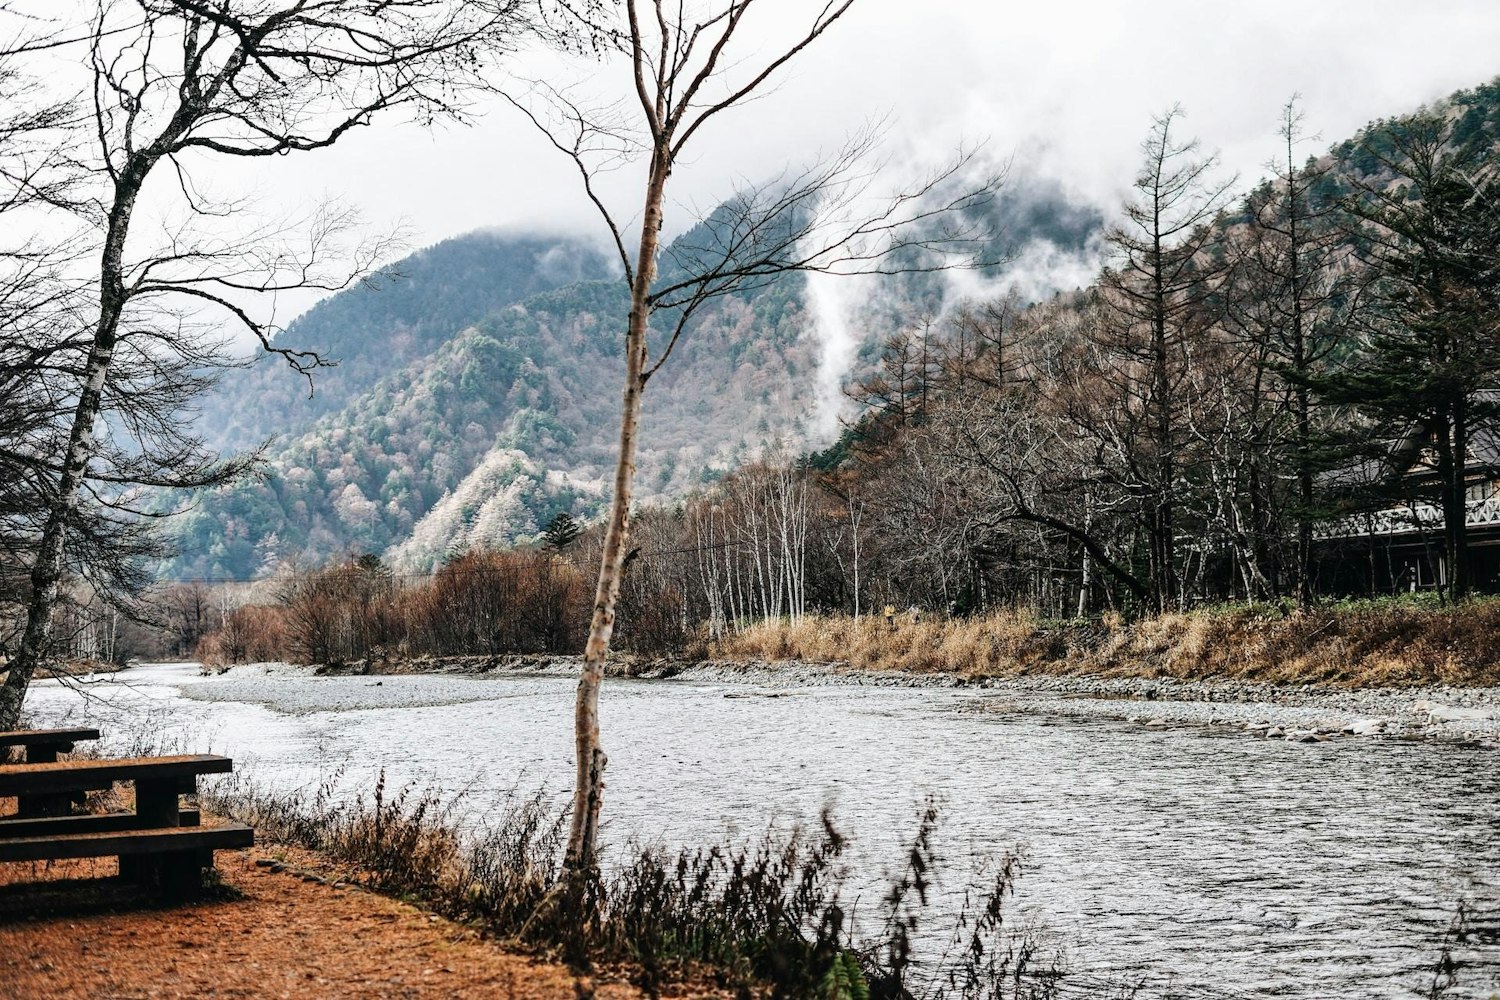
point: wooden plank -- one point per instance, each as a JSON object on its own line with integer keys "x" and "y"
{"x": 103, "y": 823}
{"x": 43, "y": 737}
{"x": 82, "y": 775}
{"x": 169, "y": 840}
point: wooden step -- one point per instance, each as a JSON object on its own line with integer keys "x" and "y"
{"x": 83, "y": 775}
{"x": 107, "y": 843}
{"x": 45, "y": 737}
{"x": 102, "y": 823}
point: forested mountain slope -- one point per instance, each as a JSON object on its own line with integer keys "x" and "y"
{"x": 399, "y": 315}
{"x": 479, "y": 395}
{"x": 1252, "y": 381}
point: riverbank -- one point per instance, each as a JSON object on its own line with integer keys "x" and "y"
{"x": 1298, "y": 713}
{"x": 283, "y": 922}
{"x": 1411, "y": 642}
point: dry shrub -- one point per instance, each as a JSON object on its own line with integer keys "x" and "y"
{"x": 251, "y": 634}
{"x": 1362, "y": 643}
{"x": 483, "y": 603}
{"x": 767, "y": 918}
{"x": 497, "y": 602}
{"x": 999, "y": 642}
{"x": 650, "y": 620}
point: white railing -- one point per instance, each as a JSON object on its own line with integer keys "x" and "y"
{"x": 1406, "y": 520}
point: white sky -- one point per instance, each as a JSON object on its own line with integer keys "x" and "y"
{"x": 1066, "y": 86}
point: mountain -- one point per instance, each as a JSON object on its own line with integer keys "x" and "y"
{"x": 477, "y": 393}
{"x": 396, "y": 317}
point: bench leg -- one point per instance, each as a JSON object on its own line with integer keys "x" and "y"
{"x": 176, "y": 876}
{"x": 180, "y": 874}
{"x": 134, "y": 868}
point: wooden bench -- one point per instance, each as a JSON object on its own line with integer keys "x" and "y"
{"x": 43, "y": 745}
{"x": 93, "y": 823}
{"x": 160, "y": 844}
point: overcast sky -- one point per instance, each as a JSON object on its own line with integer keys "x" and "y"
{"x": 1066, "y": 86}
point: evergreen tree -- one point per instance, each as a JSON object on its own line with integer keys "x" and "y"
{"x": 1428, "y": 376}
{"x": 1295, "y": 301}
{"x": 1159, "y": 289}
{"x": 561, "y": 532}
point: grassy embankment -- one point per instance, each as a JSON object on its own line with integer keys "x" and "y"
{"x": 766, "y": 920}
{"x": 1389, "y": 642}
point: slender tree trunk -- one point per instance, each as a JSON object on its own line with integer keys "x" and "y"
{"x": 1163, "y": 527}
{"x": 588, "y": 790}
{"x": 1456, "y": 506}
{"x": 47, "y": 569}
{"x": 1302, "y": 367}
{"x": 854, "y": 535}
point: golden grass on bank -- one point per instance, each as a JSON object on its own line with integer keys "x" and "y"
{"x": 1358, "y": 643}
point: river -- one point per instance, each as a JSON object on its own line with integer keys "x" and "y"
{"x": 1206, "y": 865}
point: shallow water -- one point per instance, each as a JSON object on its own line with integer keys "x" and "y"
{"x": 1209, "y": 865}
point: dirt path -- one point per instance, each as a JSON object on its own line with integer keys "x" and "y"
{"x": 283, "y": 937}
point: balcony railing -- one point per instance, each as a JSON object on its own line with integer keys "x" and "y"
{"x": 1407, "y": 520}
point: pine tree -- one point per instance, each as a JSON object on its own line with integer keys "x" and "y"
{"x": 1429, "y": 372}
{"x": 561, "y": 532}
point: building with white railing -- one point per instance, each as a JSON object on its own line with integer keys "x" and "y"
{"x": 1401, "y": 547}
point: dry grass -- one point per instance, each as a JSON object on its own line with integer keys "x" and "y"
{"x": 1359, "y": 643}
{"x": 760, "y": 919}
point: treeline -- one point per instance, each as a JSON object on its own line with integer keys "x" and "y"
{"x": 1209, "y": 422}
{"x": 481, "y": 603}
{"x": 1214, "y": 419}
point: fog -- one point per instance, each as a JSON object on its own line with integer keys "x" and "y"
{"x": 1065, "y": 89}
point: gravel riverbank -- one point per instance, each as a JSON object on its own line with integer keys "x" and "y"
{"x": 1305, "y": 713}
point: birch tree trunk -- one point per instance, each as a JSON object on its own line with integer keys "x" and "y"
{"x": 588, "y": 788}
{"x": 47, "y": 569}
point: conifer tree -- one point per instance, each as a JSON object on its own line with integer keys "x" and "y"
{"x": 1296, "y": 300}
{"x": 1428, "y": 375}
{"x": 561, "y": 532}
{"x": 1166, "y": 267}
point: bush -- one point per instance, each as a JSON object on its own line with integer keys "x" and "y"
{"x": 1379, "y": 642}
{"x": 483, "y": 603}
{"x": 769, "y": 917}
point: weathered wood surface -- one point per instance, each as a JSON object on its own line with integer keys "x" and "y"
{"x": 43, "y": 745}
{"x": 84, "y": 775}
{"x": 174, "y": 840}
{"x": 45, "y": 737}
{"x": 105, "y": 823}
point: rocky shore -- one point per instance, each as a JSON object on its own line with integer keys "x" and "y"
{"x": 1307, "y": 713}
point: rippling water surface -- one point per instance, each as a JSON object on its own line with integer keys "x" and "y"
{"x": 1217, "y": 866}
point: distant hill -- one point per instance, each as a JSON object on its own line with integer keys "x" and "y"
{"x": 478, "y": 394}
{"x": 400, "y": 314}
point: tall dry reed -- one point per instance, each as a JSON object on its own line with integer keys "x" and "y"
{"x": 1359, "y": 643}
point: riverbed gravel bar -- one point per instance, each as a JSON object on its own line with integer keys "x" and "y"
{"x": 1300, "y": 714}
{"x": 1297, "y": 714}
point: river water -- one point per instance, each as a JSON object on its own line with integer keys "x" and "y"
{"x": 1204, "y": 865}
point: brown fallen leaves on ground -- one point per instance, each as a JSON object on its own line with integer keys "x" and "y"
{"x": 284, "y": 937}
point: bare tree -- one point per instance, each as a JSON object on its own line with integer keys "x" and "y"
{"x": 685, "y": 71}
{"x": 176, "y": 82}
{"x": 1163, "y": 277}
{"x": 1297, "y": 295}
